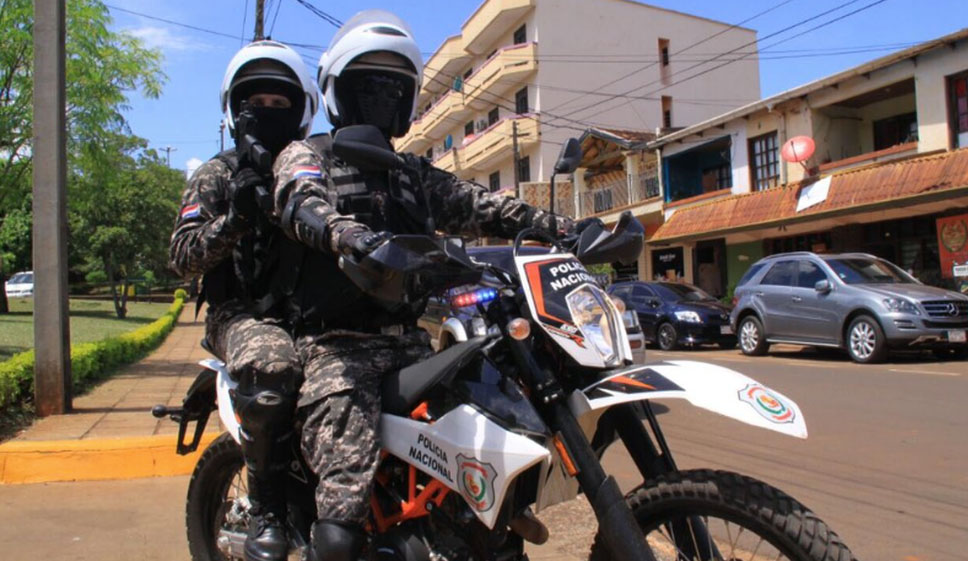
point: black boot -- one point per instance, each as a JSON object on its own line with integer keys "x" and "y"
{"x": 267, "y": 540}
{"x": 266, "y": 432}
{"x": 336, "y": 541}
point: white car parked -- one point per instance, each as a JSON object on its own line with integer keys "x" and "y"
{"x": 21, "y": 285}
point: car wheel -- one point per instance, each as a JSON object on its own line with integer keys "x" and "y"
{"x": 865, "y": 340}
{"x": 667, "y": 337}
{"x": 752, "y": 340}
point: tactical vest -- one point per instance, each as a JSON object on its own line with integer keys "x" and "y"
{"x": 316, "y": 291}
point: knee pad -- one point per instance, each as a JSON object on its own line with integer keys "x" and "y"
{"x": 336, "y": 541}
{"x": 266, "y": 419}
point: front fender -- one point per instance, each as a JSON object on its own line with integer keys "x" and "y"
{"x": 704, "y": 385}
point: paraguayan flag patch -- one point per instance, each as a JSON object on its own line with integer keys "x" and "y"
{"x": 190, "y": 211}
{"x": 307, "y": 171}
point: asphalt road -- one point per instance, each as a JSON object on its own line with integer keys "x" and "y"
{"x": 886, "y": 465}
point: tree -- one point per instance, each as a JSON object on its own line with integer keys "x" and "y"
{"x": 101, "y": 66}
{"x": 122, "y": 211}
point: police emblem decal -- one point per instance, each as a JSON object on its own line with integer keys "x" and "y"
{"x": 769, "y": 405}
{"x": 476, "y": 482}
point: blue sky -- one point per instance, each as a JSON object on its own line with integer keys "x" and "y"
{"x": 187, "y": 115}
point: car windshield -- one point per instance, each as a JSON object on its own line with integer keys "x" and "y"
{"x": 21, "y": 278}
{"x": 687, "y": 292}
{"x": 858, "y": 270}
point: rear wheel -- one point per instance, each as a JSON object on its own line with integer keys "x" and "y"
{"x": 752, "y": 340}
{"x": 705, "y": 515}
{"x": 667, "y": 337}
{"x": 865, "y": 340}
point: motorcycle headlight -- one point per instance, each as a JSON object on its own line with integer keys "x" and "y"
{"x": 596, "y": 320}
{"x": 901, "y": 305}
{"x": 688, "y": 317}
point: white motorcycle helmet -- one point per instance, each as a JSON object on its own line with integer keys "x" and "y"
{"x": 266, "y": 62}
{"x": 371, "y": 73}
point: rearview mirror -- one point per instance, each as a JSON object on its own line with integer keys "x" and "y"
{"x": 623, "y": 244}
{"x": 570, "y": 157}
{"x": 365, "y": 147}
{"x": 822, "y": 286}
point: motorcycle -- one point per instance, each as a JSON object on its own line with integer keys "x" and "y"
{"x": 481, "y": 437}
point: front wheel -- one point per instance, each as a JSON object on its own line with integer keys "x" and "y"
{"x": 217, "y": 506}
{"x": 741, "y": 518}
{"x": 667, "y": 337}
{"x": 752, "y": 340}
{"x": 865, "y": 340}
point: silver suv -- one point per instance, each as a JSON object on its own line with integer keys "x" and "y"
{"x": 853, "y": 301}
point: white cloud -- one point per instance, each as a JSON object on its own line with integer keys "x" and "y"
{"x": 191, "y": 165}
{"x": 164, "y": 38}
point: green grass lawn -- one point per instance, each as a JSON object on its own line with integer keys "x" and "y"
{"x": 91, "y": 320}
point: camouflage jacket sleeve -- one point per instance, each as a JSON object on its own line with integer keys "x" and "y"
{"x": 202, "y": 237}
{"x": 466, "y": 208}
{"x": 303, "y": 200}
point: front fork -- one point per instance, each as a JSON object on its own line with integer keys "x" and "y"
{"x": 615, "y": 520}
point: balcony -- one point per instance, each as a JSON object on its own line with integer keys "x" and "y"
{"x": 491, "y": 21}
{"x": 496, "y": 141}
{"x": 448, "y": 61}
{"x": 619, "y": 195}
{"x": 445, "y": 115}
{"x": 504, "y": 71}
{"x": 449, "y": 161}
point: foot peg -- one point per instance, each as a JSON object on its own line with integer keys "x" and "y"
{"x": 529, "y": 527}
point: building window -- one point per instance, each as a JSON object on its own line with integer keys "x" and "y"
{"x": 764, "y": 162}
{"x": 492, "y": 117}
{"x": 494, "y": 181}
{"x": 895, "y": 130}
{"x": 716, "y": 178}
{"x": 468, "y": 73}
{"x": 958, "y": 85}
{"x": 469, "y": 129}
{"x": 524, "y": 169}
{"x": 666, "y": 112}
{"x": 521, "y": 101}
{"x": 521, "y": 35}
{"x": 430, "y": 154}
{"x": 664, "y": 51}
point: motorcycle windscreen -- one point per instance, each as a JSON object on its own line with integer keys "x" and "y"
{"x": 548, "y": 281}
{"x": 704, "y": 385}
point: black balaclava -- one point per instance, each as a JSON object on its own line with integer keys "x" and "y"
{"x": 275, "y": 127}
{"x": 373, "y": 97}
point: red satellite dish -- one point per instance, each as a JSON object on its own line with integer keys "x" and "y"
{"x": 798, "y": 149}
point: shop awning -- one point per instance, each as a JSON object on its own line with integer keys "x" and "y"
{"x": 892, "y": 183}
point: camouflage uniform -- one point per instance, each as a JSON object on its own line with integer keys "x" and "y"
{"x": 257, "y": 350}
{"x": 339, "y": 400}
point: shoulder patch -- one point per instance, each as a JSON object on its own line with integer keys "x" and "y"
{"x": 306, "y": 171}
{"x": 190, "y": 211}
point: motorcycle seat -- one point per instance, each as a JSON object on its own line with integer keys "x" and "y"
{"x": 403, "y": 390}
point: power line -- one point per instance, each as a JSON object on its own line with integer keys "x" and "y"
{"x": 731, "y": 51}
{"x": 275, "y": 17}
{"x": 708, "y": 70}
{"x": 697, "y": 43}
{"x": 245, "y": 14}
{"x": 321, "y": 14}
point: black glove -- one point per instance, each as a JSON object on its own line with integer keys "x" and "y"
{"x": 361, "y": 241}
{"x": 574, "y": 230}
{"x": 243, "y": 205}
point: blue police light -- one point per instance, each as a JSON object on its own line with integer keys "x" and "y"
{"x": 474, "y": 297}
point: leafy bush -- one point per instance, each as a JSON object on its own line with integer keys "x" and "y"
{"x": 180, "y": 294}
{"x": 90, "y": 361}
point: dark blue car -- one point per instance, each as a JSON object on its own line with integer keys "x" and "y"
{"x": 674, "y": 314}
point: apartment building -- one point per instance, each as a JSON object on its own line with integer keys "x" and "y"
{"x": 525, "y": 73}
{"x": 889, "y": 175}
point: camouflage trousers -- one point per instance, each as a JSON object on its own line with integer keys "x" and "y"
{"x": 258, "y": 352}
{"x": 339, "y": 405}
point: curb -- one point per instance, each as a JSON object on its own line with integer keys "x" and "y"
{"x": 95, "y": 459}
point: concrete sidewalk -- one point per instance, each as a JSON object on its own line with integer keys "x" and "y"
{"x": 111, "y": 433}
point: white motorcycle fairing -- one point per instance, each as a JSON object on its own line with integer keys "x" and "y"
{"x": 707, "y": 386}
{"x": 467, "y": 452}
{"x": 223, "y": 385}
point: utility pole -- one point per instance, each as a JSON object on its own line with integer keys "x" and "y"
{"x": 52, "y": 341}
{"x": 259, "y": 10}
{"x": 168, "y": 150}
{"x": 221, "y": 136}
{"x": 514, "y": 144}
